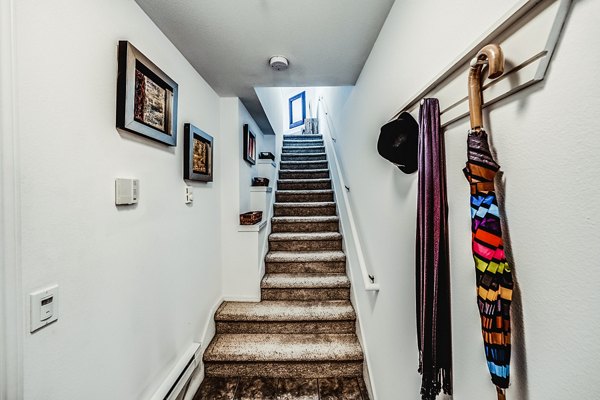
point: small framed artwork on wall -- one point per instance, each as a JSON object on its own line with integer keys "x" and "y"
{"x": 249, "y": 145}
{"x": 146, "y": 97}
{"x": 198, "y": 155}
{"x": 297, "y": 105}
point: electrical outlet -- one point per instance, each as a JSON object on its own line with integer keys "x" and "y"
{"x": 189, "y": 195}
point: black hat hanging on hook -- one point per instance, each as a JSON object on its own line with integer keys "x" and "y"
{"x": 398, "y": 142}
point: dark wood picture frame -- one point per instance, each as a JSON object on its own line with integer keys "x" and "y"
{"x": 249, "y": 145}
{"x": 146, "y": 97}
{"x": 202, "y": 170}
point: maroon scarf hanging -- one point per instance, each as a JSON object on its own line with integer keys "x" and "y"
{"x": 432, "y": 258}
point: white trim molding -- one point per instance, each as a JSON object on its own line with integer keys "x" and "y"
{"x": 11, "y": 332}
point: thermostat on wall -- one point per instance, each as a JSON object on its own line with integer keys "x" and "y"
{"x": 126, "y": 191}
{"x": 44, "y": 307}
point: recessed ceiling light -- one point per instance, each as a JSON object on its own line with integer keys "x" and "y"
{"x": 279, "y": 63}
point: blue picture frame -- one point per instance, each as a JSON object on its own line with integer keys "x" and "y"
{"x": 297, "y": 120}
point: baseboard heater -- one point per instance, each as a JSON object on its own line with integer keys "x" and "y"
{"x": 174, "y": 387}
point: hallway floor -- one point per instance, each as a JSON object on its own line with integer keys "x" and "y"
{"x": 214, "y": 388}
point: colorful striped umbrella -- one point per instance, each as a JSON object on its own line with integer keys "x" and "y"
{"x": 494, "y": 278}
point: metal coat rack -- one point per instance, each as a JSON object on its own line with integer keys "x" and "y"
{"x": 528, "y": 34}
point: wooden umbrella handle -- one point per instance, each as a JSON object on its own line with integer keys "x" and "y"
{"x": 494, "y": 58}
{"x": 501, "y": 393}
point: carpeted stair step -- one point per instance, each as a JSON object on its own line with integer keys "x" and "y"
{"x": 311, "y": 241}
{"x": 289, "y": 262}
{"x": 304, "y": 157}
{"x": 302, "y": 137}
{"x": 304, "y": 174}
{"x": 303, "y": 149}
{"x": 284, "y": 355}
{"x": 304, "y": 184}
{"x": 304, "y": 209}
{"x": 295, "y": 165}
{"x": 303, "y": 143}
{"x": 305, "y": 224}
{"x": 305, "y": 287}
{"x": 300, "y": 196}
{"x": 286, "y": 317}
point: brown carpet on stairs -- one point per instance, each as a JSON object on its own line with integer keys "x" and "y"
{"x": 282, "y": 389}
{"x": 299, "y": 341}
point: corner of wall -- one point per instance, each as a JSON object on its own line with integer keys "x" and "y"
{"x": 11, "y": 307}
{"x": 241, "y": 268}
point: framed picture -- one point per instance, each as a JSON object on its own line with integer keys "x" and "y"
{"x": 297, "y": 105}
{"x": 249, "y": 145}
{"x": 146, "y": 97}
{"x": 198, "y": 155}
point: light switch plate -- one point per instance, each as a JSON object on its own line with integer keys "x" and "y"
{"x": 44, "y": 307}
{"x": 189, "y": 195}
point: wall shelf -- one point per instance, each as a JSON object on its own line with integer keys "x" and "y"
{"x": 253, "y": 228}
{"x": 265, "y": 189}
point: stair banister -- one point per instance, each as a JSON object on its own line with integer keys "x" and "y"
{"x": 367, "y": 278}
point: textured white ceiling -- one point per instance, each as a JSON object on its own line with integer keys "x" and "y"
{"x": 229, "y": 42}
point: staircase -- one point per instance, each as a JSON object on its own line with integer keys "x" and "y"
{"x": 304, "y": 326}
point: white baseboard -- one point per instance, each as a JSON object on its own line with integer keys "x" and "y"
{"x": 175, "y": 384}
{"x": 210, "y": 327}
{"x": 254, "y": 299}
{"x": 195, "y": 381}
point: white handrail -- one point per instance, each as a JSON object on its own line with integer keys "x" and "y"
{"x": 369, "y": 283}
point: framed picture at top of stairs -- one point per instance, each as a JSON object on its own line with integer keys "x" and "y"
{"x": 146, "y": 97}
{"x": 297, "y": 105}
{"x": 249, "y": 145}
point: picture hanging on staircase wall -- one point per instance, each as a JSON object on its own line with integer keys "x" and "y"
{"x": 297, "y": 105}
{"x": 249, "y": 145}
{"x": 146, "y": 97}
{"x": 198, "y": 155}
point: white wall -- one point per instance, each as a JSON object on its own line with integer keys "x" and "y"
{"x": 137, "y": 283}
{"x": 240, "y": 256}
{"x": 272, "y": 102}
{"x": 247, "y": 170}
{"x": 331, "y": 100}
{"x": 267, "y": 144}
{"x": 546, "y": 141}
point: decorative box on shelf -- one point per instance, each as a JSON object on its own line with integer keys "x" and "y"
{"x": 266, "y": 155}
{"x": 259, "y": 181}
{"x": 251, "y": 218}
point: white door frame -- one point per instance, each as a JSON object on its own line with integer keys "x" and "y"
{"x": 11, "y": 311}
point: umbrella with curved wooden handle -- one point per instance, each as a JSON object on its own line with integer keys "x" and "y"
{"x": 492, "y": 56}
